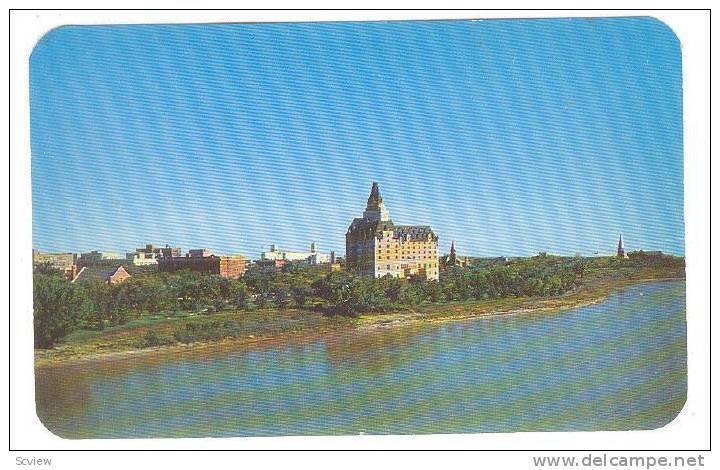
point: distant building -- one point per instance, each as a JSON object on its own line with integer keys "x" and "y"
{"x": 452, "y": 257}
{"x": 140, "y": 258}
{"x": 150, "y": 254}
{"x": 200, "y": 253}
{"x": 376, "y": 247}
{"x": 97, "y": 258}
{"x": 331, "y": 267}
{"x": 621, "y": 248}
{"x": 170, "y": 251}
{"x": 273, "y": 264}
{"x": 108, "y": 275}
{"x": 63, "y": 262}
{"x": 231, "y": 267}
{"x": 311, "y": 257}
{"x": 453, "y": 260}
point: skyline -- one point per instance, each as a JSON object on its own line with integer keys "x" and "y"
{"x": 510, "y": 137}
{"x": 267, "y": 247}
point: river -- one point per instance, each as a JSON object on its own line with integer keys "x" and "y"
{"x": 618, "y": 365}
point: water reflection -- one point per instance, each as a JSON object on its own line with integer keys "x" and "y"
{"x": 618, "y": 365}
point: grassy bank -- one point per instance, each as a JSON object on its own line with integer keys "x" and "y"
{"x": 152, "y": 333}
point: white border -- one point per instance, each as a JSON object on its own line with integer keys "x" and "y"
{"x": 688, "y": 431}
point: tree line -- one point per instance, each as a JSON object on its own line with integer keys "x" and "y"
{"x": 62, "y": 307}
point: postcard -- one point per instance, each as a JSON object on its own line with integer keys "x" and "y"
{"x": 348, "y": 228}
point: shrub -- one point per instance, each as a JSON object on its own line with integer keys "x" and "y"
{"x": 153, "y": 339}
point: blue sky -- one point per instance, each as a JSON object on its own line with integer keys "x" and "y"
{"x": 508, "y": 136}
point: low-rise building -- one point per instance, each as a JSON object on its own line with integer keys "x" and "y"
{"x": 311, "y": 257}
{"x": 276, "y": 264}
{"x": 331, "y": 267}
{"x": 150, "y": 254}
{"x": 108, "y": 275}
{"x": 140, "y": 258}
{"x": 231, "y": 267}
{"x": 200, "y": 253}
{"x": 452, "y": 260}
{"x": 63, "y": 262}
{"x": 98, "y": 258}
{"x": 169, "y": 251}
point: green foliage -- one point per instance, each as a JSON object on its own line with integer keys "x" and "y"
{"x": 238, "y": 294}
{"x": 59, "y": 308}
{"x": 154, "y": 293}
{"x": 346, "y": 294}
{"x": 62, "y": 307}
{"x": 541, "y": 276}
{"x": 46, "y": 269}
{"x": 207, "y": 331}
{"x": 153, "y": 339}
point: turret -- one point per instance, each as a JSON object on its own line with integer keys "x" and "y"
{"x": 375, "y": 209}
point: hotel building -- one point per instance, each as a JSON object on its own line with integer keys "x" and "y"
{"x": 376, "y": 247}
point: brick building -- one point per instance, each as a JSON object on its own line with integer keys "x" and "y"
{"x": 225, "y": 266}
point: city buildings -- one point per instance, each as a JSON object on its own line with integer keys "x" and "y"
{"x": 150, "y": 255}
{"x": 203, "y": 261}
{"x": 311, "y": 257}
{"x": 376, "y": 247}
{"x": 97, "y": 258}
{"x": 200, "y": 253}
{"x": 272, "y": 264}
{"x": 63, "y": 262}
{"x": 140, "y": 258}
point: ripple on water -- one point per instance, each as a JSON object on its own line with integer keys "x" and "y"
{"x": 617, "y": 365}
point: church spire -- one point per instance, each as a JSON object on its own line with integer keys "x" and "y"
{"x": 375, "y": 209}
{"x": 621, "y": 248}
{"x": 452, "y": 258}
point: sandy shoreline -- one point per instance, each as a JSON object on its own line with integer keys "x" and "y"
{"x": 374, "y": 322}
{"x": 521, "y": 311}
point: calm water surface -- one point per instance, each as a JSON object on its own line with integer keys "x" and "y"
{"x": 614, "y": 366}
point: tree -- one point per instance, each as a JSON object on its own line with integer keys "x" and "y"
{"x": 101, "y": 296}
{"x": 59, "y": 308}
{"x": 300, "y": 293}
{"x": 431, "y": 291}
{"x": 46, "y": 268}
{"x": 238, "y": 294}
{"x": 281, "y": 294}
{"x": 335, "y": 289}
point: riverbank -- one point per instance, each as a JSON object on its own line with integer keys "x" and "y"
{"x": 241, "y": 328}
